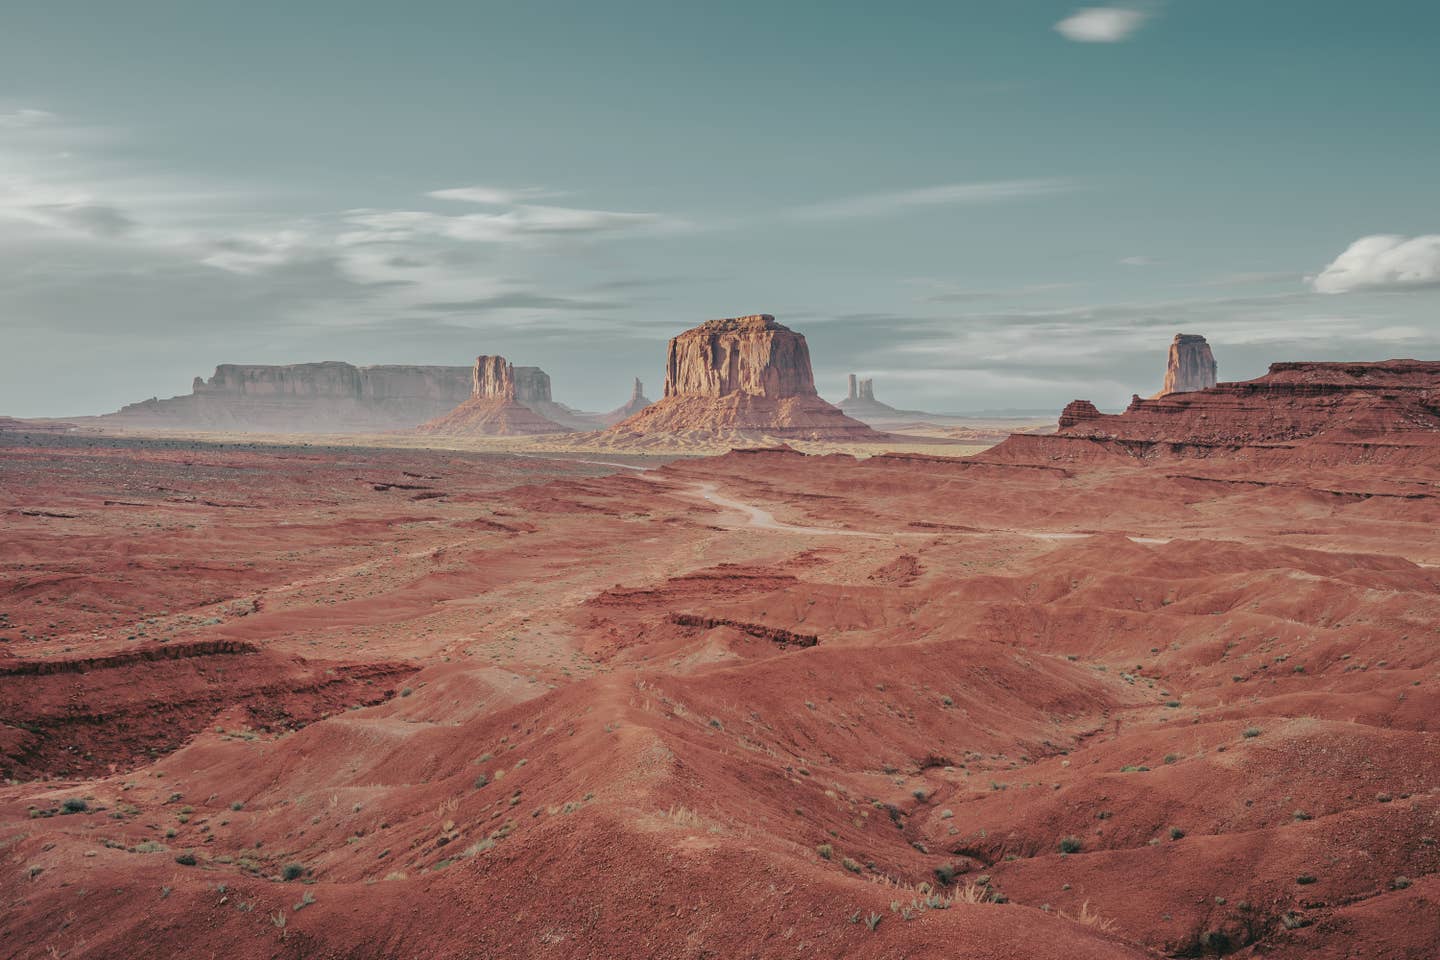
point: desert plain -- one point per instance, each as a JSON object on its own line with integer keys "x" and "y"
{"x": 1133, "y": 692}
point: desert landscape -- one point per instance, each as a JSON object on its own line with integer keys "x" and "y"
{"x": 749, "y": 481}
{"x": 1158, "y": 683}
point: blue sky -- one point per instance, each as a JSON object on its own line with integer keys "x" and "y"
{"x": 982, "y": 205}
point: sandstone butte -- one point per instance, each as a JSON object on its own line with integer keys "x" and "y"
{"x": 501, "y": 403}
{"x": 327, "y": 397}
{"x": 743, "y": 376}
{"x": 1190, "y": 365}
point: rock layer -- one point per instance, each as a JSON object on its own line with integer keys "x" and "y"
{"x": 746, "y": 376}
{"x": 327, "y": 397}
{"x": 502, "y": 402}
{"x": 1191, "y": 365}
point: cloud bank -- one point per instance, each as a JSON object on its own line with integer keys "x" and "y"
{"x": 1383, "y": 261}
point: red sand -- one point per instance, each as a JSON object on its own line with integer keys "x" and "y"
{"x": 494, "y": 706}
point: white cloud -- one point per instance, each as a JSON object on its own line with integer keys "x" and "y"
{"x": 490, "y": 196}
{"x": 1382, "y": 261}
{"x": 26, "y": 117}
{"x": 880, "y": 204}
{"x": 1138, "y": 261}
{"x": 1102, "y": 24}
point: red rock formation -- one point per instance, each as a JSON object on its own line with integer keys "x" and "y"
{"x": 1076, "y": 411}
{"x": 500, "y": 403}
{"x": 747, "y": 376}
{"x": 1324, "y": 412}
{"x": 328, "y": 397}
{"x": 1191, "y": 365}
{"x": 751, "y": 355}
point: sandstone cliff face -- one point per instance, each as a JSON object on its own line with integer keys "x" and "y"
{"x": 504, "y": 400}
{"x": 1321, "y": 412}
{"x": 328, "y": 397}
{"x": 749, "y": 377}
{"x": 751, "y": 355}
{"x": 1191, "y": 365}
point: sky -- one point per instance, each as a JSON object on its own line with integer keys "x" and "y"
{"x": 982, "y": 204}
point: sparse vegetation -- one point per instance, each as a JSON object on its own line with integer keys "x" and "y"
{"x": 1071, "y": 844}
{"x": 186, "y": 859}
{"x": 1250, "y": 733}
{"x": 825, "y": 851}
{"x": 1176, "y": 833}
{"x": 292, "y": 871}
{"x": 850, "y": 865}
{"x": 74, "y": 805}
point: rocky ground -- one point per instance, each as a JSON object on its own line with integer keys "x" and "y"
{"x": 309, "y": 701}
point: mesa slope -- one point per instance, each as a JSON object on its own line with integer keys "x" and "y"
{"x": 739, "y": 706}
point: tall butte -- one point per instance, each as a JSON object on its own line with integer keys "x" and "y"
{"x": 743, "y": 377}
{"x": 1190, "y": 367}
{"x": 498, "y": 403}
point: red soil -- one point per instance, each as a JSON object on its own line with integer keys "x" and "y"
{"x": 549, "y": 712}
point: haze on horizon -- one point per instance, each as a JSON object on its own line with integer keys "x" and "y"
{"x": 981, "y": 205}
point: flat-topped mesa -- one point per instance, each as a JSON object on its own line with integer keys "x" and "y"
{"x": 1190, "y": 366}
{"x": 502, "y": 402}
{"x": 746, "y": 377}
{"x": 1312, "y": 412}
{"x": 751, "y": 355}
{"x": 325, "y": 397}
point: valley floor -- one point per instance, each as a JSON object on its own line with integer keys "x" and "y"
{"x": 283, "y": 700}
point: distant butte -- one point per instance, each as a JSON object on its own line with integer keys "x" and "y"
{"x": 500, "y": 403}
{"x": 744, "y": 376}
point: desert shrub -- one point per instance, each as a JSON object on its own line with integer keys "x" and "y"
{"x": 74, "y": 805}
{"x": 1305, "y": 879}
{"x": 1070, "y": 844}
{"x": 185, "y": 859}
{"x": 481, "y": 781}
{"x": 825, "y": 851}
{"x": 237, "y": 805}
{"x": 945, "y": 873}
{"x": 292, "y": 871}
{"x": 1301, "y": 815}
{"x": 850, "y": 865}
{"x": 1176, "y": 833}
{"x": 1250, "y": 733}
{"x": 1399, "y": 883}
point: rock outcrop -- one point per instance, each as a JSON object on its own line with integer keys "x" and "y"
{"x": 749, "y": 377}
{"x": 1190, "y": 367}
{"x": 1078, "y": 411}
{"x": 502, "y": 402}
{"x": 1319, "y": 412}
{"x": 328, "y": 397}
{"x": 638, "y": 401}
{"x": 862, "y": 405}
